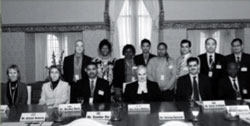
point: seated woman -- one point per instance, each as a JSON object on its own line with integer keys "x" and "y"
{"x": 55, "y": 91}
{"x": 142, "y": 90}
{"x": 14, "y": 92}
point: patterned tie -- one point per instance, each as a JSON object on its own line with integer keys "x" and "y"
{"x": 210, "y": 60}
{"x": 196, "y": 93}
{"x": 77, "y": 60}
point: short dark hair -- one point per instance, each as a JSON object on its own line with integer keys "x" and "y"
{"x": 91, "y": 63}
{"x": 145, "y": 41}
{"x": 14, "y": 66}
{"x": 210, "y": 39}
{"x": 191, "y": 59}
{"x": 128, "y": 46}
{"x": 103, "y": 43}
{"x": 162, "y": 43}
{"x": 235, "y": 40}
{"x": 186, "y": 41}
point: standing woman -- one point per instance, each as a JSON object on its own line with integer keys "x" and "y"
{"x": 55, "y": 91}
{"x": 105, "y": 61}
{"x": 14, "y": 92}
{"x": 162, "y": 69}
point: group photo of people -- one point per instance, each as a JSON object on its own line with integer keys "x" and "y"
{"x": 141, "y": 78}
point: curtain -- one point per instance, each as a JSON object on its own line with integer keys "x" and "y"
{"x": 115, "y": 7}
{"x": 153, "y": 8}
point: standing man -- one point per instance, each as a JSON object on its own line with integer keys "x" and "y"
{"x": 162, "y": 69}
{"x": 181, "y": 62}
{"x": 212, "y": 64}
{"x": 193, "y": 86}
{"x": 92, "y": 88}
{"x": 240, "y": 58}
{"x": 142, "y": 59}
{"x": 73, "y": 66}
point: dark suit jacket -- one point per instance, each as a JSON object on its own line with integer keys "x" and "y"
{"x": 68, "y": 67}
{"x": 101, "y": 93}
{"x": 22, "y": 94}
{"x": 226, "y": 90}
{"x": 184, "y": 88}
{"x": 245, "y": 62}
{"x": 153, "y": 94}
{"x": 139, "y": 60}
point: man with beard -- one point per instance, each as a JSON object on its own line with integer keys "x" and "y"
{"x": 93, "y": 89}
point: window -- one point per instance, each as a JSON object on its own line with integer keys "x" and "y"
{"x": 55, "y": 46}
{"x": 134, "y": 23}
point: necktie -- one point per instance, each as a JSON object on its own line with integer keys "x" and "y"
{"x": 238, "y": 59}
{"x": 235, "y": 86}
{"x": 195, "y": 88}
{"x": 92, "y": 87}
{"x": 77, "y": 60}
{"x": 211, "y": 60}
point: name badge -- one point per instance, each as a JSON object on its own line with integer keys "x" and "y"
{"x": 33, "y": 117}
{"x": 170, "y": 66}
{"x": 4, "y": 108}
{"x": 238, "y": 109}
{"x": 162, "y": 77}
{"x": 100, "y": 92}
{"x": 77, "y": 77}
{"x": 218, "y": 66}
{"x": 245, "y": 91}
{"x": 210, "y": 74}
{"x": 91, "y": 99}
{"x": 101, "y": 115}
{"x": 70, "y": 107}
{"x": 139, "y": 107}
{"x": 243, "y": 69}
{"x": 171, "y": 116}
{"x": 214, "y": 104}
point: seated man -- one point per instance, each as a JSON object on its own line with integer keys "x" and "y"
{"x": 93, "y": 89}
{"x": 193, "y": 86}
{"x": 142, "y": 90}
{"x": 231, "y": 87}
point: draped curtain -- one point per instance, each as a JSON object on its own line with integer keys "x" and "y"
{"x": 115, "y": 7}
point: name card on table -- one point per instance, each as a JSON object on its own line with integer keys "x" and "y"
{"x": 100, "y": 115}
{"x": 70, "y": 107}
{"x": 138, "y": 107}
{"x": 171, "y": 116}
{"x": 245, "y": 117}
{"x": 33, "y": 117}
{"x": 4, "y": 108}
{"x": 214, "y": 104}
{"x": 238, "y": 109}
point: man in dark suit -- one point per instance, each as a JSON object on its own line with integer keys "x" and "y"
{"x": 212, "y": 64}
{"x": 93, "y": 89}
{"x": 231, "y": 87}
{"x": 142, "y": 59}
{"x": 142, "y": 90}
{"x": 193, "y": 86}
{"x": 241, "y": 58}
{"x": 73, "y": 66}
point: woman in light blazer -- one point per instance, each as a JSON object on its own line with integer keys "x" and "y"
{"x": 55, "y": 91}
{"x": 14, "y": 92}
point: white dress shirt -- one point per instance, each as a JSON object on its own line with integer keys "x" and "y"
{"x": 192, "y": 81}
{"x": 236, "y": 82}
{"x": 208, "y": 57}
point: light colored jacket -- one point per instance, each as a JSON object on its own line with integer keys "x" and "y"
{"x": 60, "y": 95}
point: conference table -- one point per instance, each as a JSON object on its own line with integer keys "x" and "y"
{"x": 150, "y": 118}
